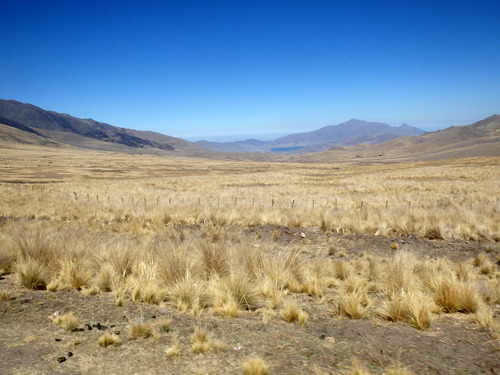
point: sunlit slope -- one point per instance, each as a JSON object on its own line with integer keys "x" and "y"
{"x": 479, "y": 139}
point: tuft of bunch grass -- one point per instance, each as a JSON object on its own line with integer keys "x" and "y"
{"x": 200, "y": 340}
{"x": 6, "y": 294}
{"x": 397, "y": 369}
{"x": 255, "y": 366}
{"x": 354, "y": 305}
{"x": 109, "y": 339}
{"x": 485, "y": 317}
{"x": 453, "y": 295}
{"x": 291, "y": 313}
{"x": 357, "y": 368}
{"x": 140, "y": 330}
{"x": 163, "y": 325}
{"x": 341, "y": 269}
{"x": 68, "y": 322}
{"x": 31, "y": 274}
{"x": 174, "y": 350}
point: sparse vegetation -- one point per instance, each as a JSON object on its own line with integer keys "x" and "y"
{"x": 255, "y": 366}
{"x": 68, "y": 322}
{"x": 200, "y": 254}
{"x": 109, "y": 339}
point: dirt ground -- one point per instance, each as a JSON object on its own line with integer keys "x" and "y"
{"x": 30, "y": 343}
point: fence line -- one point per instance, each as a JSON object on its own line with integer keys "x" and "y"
{"x": 315, "y": 203}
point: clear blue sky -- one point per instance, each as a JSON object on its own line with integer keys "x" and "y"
{"x": 189, "y": 68}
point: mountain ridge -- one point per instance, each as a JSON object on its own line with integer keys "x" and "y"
{"x": 87, "y": 133}
{"x": 353, "y": 131}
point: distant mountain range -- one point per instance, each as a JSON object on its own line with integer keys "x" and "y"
{"x": 349, "y": 133}
{"x": 26, "y": 124}
{"x": 47, "y": 126}
{"x": 481, "y": 138}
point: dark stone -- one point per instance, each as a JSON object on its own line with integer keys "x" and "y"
{"x": 61, "y": 359}
{"x": 70, "y": 354}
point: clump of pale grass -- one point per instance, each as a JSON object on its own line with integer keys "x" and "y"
{"x": 68, "y": 322}
{"x": 465, "y": 272}
{"x": 74, "y": 275}
{"x": 174, "y": 350}
{"x": 7, "y": 294}
{"x": 106, "y": 277}
{"x": 140, "y": 330}
{"x": 341, "y": 269}
{"x": 241, "y": 289}
{"x": 148, "y": 293}
{"x": 214, "y": 257}
{"x": 188, "y": 295}
{"x": 255, "y": 366}
{"x": 485, "y": 317}
{"x": 315, "y": 277}
{"x": 163, "y": 325}
{"x": 354, "y": 305}
{"x": 175, "y": 264}
{"x": 109, "y": 339}
{"x": 397, "y": 369}
{"x": 36, "y": 243}
{"x": 31, "y": 274}
{"x": 357, "y": 368}
{"x": 413, "y": 307}
{"x": 453, "y": 295}
{"x": 400, "y": 275}
{"x": 373, "y": 269}
{"x": 291, "y": 313}
{"x": 201, "y": 341}
{"x": 144, "y": 284}
{"x": 484, "y": 264}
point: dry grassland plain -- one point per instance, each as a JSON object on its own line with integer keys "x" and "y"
{"x": 208, "y": 266}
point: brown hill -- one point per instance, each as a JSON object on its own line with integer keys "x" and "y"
{"x": 479, "y": 139}
{"x": 86, "y": 133}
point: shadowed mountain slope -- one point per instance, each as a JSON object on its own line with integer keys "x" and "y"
{"x": 87, "y": 133}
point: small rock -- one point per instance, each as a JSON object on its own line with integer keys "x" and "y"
{"x": 89, "y": 327}
{"x": 58, "y": 340}
{"x": 302, "y": 235}
{"x": 61, "y": 359}
{"x": 70, "y": 354}
{"x": 330, "y": 339}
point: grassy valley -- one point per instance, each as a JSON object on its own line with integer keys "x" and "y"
{"x": 113, "y": 263}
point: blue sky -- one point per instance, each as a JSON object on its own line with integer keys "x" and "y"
{"x": 208, "y": 68}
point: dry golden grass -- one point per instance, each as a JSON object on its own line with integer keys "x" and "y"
{"x": 210, "y": 237}
{"x": 68, "y": 322}
{"x": 202, "y": 341}
{"x": 255, "y": 366}
{"x": 174, "y": 350}
{"x": 140, "y": 330}
{"x": 109, "y": 339}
